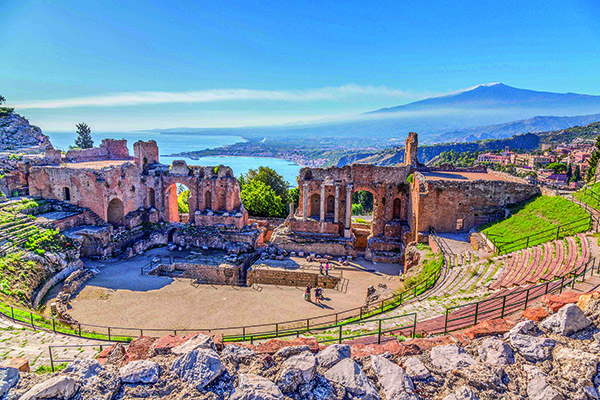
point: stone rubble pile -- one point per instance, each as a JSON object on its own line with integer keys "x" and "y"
{"x": 16, "y": 132}
{"x": 557, "y": 358}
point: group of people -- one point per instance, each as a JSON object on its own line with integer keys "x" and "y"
{"x": 318, "y": 294}
{"x": 326, "y": 268}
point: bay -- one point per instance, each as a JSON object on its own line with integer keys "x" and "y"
{"x": 172, "y": 143}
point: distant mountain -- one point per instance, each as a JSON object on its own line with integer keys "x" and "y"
{"x": 533, "y": 125}
{"x": 483, "y": 112}
{"x": 501, "y": 96}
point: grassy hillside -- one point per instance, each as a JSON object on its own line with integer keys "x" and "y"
{"x": 537, "y": 222}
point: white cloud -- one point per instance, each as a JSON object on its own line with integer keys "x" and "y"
{"x": 220, "y": 95}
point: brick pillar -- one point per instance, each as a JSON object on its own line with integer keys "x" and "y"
{"x": 348, "y": 210}
{"x": 322, "y": 207}
{"x": 336, "y": 209}
{"x": 304, "y": 201}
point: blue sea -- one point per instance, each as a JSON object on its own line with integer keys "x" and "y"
{"x": 172, "y": 143}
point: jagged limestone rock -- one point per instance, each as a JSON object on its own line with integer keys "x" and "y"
{"x": 567, "y": 320}
{"x": 416, "y": 369}
{"x": 140, "y": 371}
{"x": 463, "y": 393}
{"x": 297, "y": 370}
{"x": 494, "y": 351}
{"x": 9, "y": 377}
{"x": 332, "y": 355}
{"x": 392, "y": 378}
{"x": 532, "y": 348}
{"x": 199, "y": 367}
{"x": 59, "y": 387}
{"x": 348, "y": 374}
{"x": 254, "y": 387}
{"x": 449, "y": 357}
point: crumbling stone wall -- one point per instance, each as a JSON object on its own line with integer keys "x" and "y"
{"x": 280, "y": 277}
{"x": 109, "y": 149}
{"x": 115, "y": 190}
{"x": 223, "y": 274}
{"x": 410, "y": 150}
{"x": 450, "y": 206}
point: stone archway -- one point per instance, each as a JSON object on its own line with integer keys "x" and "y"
{"x": 397, "y": 209}
{"x": 115, "y": 212}
{"x": 315, "y": 206}
{"x": 330, "y": 205}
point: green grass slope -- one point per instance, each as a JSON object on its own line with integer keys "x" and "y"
{"x": 536, "y": 222}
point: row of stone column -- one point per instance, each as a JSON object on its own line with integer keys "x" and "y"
{"x": 336, "y": 213}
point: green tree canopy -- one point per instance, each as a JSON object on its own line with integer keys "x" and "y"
{"x": 84, "y": 136}
{"x": 183, "y": 201}
{"x": 365, "y": 199}
{"x": 2, "y": 100}
{"x": 269, "y": 177}
{"x": 594, "y": 161}
{"x": 557, "y": 167}
{"x": 260, "y": 200}
{"x": 576, "y": 174}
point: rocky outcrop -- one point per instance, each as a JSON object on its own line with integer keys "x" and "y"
{"x": 531, "y": 361}
{"x": 16, "y": 133}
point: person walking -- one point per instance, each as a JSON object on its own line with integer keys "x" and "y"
{"x": 327, "y": 268}
{"x": 318, "y": 294}
{"x": 307, "y": 293}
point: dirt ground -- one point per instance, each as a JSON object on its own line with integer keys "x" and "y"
{"x": 120, "y": 296}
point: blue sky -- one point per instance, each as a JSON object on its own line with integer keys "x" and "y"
{"x": 122, "y": 65}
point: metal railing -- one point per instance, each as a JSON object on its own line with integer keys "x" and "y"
{"x": 54, "y": 360}
{"x": 239, "y": 333}
{"x": 558, "y": 232}
{"x": 499, "y": 306}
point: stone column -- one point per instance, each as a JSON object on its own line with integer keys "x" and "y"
{"x": 336, "y": 209}
{"x": 213, "y": 196}
{"x": 322, "y": 207}
{"x": 348, "y": 210}
{"x": 304, "y": 201}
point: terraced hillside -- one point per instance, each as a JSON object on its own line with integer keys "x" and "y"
{"x": 24, "y": 245}
{"x": 538, "y": 221}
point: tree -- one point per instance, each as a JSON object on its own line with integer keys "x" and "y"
{"x": 569, "y": 173}
{"x": 294, "y": 196}
{"x": 365, "y": 199}
{"x": 594, "y": 161}
{"x": 558, "y": 168}
{"x": 183, "y": 201}
{"x": 260, "y": 200}
{"x": 577, "y": 174}
{"x": 2, "y": 100}
{"x": 84, "y": 136}
{"x": 269, "y": 177}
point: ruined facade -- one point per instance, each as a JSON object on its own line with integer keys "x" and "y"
{"x": 120, "y": 188}
{"x": 408, "y": 201}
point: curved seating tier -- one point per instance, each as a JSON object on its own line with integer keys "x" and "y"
{"x": 544, "y": 262}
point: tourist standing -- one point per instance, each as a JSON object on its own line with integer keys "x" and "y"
{"x": 318, "y": 294}
{"x": 327, "y": 268}
{"x": 307, "y": 293}
{"x": 321, "y": 268}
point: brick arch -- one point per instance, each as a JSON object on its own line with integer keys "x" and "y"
{"x": 115, "y": 211}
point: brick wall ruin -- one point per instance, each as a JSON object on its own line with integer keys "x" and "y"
{"x": 113, "y": 185}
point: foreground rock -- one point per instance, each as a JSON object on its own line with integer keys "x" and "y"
{"x": 332, "y": 355}
{"x": 348, "y": 374}
{"x": 198, "y": 341}
{"x": 532, "y": 348}
{"x": 297, "y": 370}
{"x": 450, "y": 357}
{"x": 416, "y": 369}
{"x": 463, "y": 393}
{"x": 254, "y": 387}
{"x": 140, "y": 371}
{"x": 539, "y": 389}
{"x": 8, "y": 379}
{"x": 60, "y": 387}
{"x": 569, "y": 319}
{"x": 394, "y": 381}
{"x": 199, "y": 367}
{"x": 494, "y": 351}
